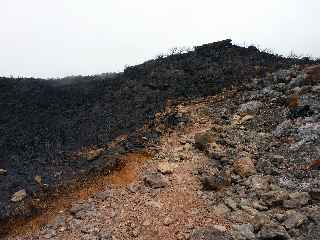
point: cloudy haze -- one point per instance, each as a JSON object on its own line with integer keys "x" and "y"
{"x": 45, "y": 38}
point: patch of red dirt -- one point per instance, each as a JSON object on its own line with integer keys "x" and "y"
{"x": 60, "y": 203}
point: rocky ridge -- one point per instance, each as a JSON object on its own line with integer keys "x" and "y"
{"x": 242, "y": 164}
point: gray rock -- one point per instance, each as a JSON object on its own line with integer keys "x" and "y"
{"x": 259, "y": 206}
{"x": 297, "y": 82}
{"x": 294, "y": 219}
{"x": 309, "y": 132}
{"x": 105, "y": 235}
{"x": 19, "y": 196}
{"x": 259, "y": 182}
{"x": 260, "y": 220}
{"x": 282, "y": 75}
{"x": 296, "y": 200}
{"x": 316, "y": 88}
{"x": 49, "y": 234}
{"x": 104, "y": 195}
{"x": 3, "y": 171}
{"x": 155, "y": 180}
{"x": 250, "y": 107}
{"x": 243, "y": 232}
{"x": 273, "y": 232}
{"x": 231, "y": 204}
{"x": 275, "y": 198}
{"x": 209, "y": 234}
{"x": 77, "y": 207}
{"x": 283, "y": 129}
{"x": 58, "y": 222}
{"x": 215, "y": 182}
{"x": 315, "y": 193}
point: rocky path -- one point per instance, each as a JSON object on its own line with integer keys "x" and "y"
{"x": 239, "y": 165}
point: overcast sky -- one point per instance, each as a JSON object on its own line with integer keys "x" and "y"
{"x": 44, "y": 38}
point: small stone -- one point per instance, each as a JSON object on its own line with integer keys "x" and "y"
{"x": 280, "y": 217}
{"x": 103, "y": 195}
{"x": 38, "y": 179}
{"x": 155, "y": 180}
{"x": 250, "y": 107}
{"x": 260, "y": 220}
{"x": 231, "y": 204}
{"x": 315, "y": 194}
{"x": 220, "y": 228}
{"x": 19, "y": 196}
{"x": 294, "y": 219}
{"x": 243, "y": 232}
{"x": 166, "y": 167}
{"x": 259, "y": 206}
{"x": 316, "y": 88}
{"x": 275, "y": 198}
{"x": 297, "y": 200}
{"x": 246, "y": 118}
{"x": 259, "y": 183}
{"x": 215, "y": 182}
{"x": 133, "y": 188}
{"x": 244, "y": 167}
{"x": 49, "y": 234}
{"x": 273, "y": 232}
{"x": 249, "y": 210}
{"x": 105, "y": 235}
{"x": 78, "y": 207}
{"x": 154, "y": 204}
{"x": 283, "y": 129}
{"x": 210, "y": 234}
{"x": 3, "y": 172}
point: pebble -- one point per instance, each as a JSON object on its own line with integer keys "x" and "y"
{"x": 19, "y": 196}
{"x": 3, "y": 171}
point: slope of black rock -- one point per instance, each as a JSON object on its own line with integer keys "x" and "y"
{"x": 41, "y": 121}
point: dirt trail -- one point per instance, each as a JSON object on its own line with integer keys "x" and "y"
{"x": 131, "y": 209}
{"x": 63, "y": 202}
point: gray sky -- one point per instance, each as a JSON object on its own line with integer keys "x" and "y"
{"x": 55, "y": 38}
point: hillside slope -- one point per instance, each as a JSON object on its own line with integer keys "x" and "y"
{"x": 60, "y": 133}
{"x": 239, "y": 165}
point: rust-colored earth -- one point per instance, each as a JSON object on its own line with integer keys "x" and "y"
{"x": 119, "y": 178}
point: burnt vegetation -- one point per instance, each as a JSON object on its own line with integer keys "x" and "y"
{"x": 42, "y": 121}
